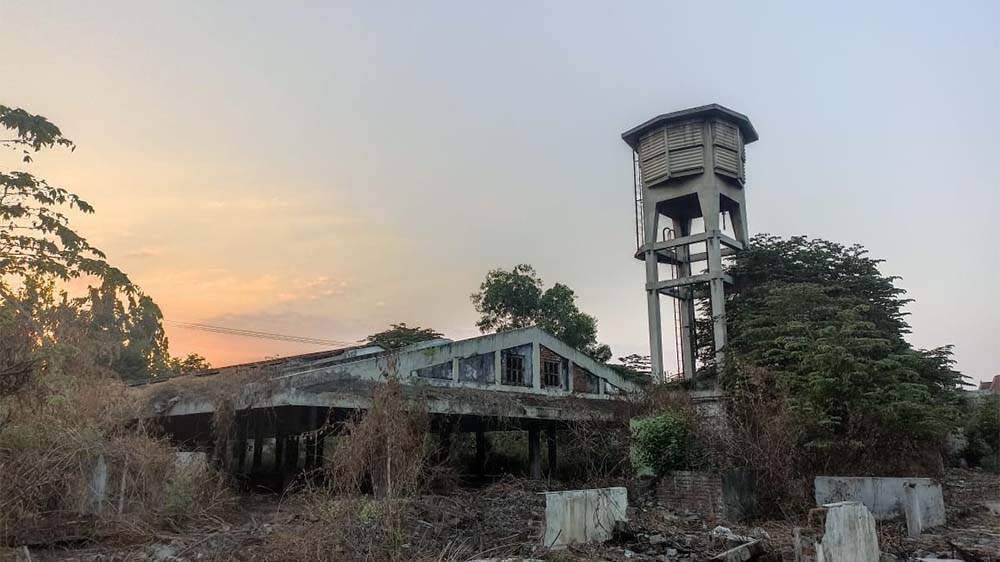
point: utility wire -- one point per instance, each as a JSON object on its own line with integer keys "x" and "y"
{"x": 259, "y": 335}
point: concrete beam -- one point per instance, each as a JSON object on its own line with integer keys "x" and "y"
{"x": 684, "y": 281}
{"x": 660, "y": 245}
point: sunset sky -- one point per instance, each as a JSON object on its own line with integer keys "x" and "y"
{"x": 324, "y": 169}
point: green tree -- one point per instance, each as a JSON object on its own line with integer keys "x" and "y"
{"x": 38, "y": 243}
{"x": 401, "y": 335}
{"x": 824, "y": 319}
{"x": 662, "y": 444}
{"x": 982, "y": 429}
{"x": 513, "y": 299}
{"x": 636, "y": 368}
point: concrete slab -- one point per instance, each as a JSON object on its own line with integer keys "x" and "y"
{"x": 849, "y": 534}
{"x": 583, "y": 516}
{"x": 885, "y": 497}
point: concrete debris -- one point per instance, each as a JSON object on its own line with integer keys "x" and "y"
{"x": 838, "y": 532}
{"x": 742, "y": 553}
{"x": 886, "y": 498}
{"x": 583, "y": 516}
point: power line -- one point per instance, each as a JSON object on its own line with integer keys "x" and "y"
{"x": 259, "y": 335}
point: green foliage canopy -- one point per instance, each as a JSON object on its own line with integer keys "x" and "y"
{"x": 38, "y": 245}
{"x": 508, "y": 300}
{"x": 824, "y": 318}
{"x": 663, "y": 443}
{"x": 401, "y": 335}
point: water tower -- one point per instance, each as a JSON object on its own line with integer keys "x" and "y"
{"x": 689, "y": 165}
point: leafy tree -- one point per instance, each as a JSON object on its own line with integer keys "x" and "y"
{"x": 636, "y": 368}
{"x": 37, "y": 243}
{"x": 508, "y": 300}
{"x": 982, "y": 429}
{"x": 189, "y": 364}
{"x": 401, "y": 335}
{"x": 824, "y": 319}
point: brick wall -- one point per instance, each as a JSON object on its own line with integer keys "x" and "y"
{"x": 693, "y": 492}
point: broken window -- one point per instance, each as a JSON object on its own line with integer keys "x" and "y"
{"x": 513, "y": 369}
{"x": 550, "y": 373}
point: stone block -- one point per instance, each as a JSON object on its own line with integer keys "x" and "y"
{"x": 583, "y": 516}
{"x": 885, "y": 497}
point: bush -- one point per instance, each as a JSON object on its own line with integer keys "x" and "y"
{"x": 982, "y": 429}
{"x": 663, "y": 443}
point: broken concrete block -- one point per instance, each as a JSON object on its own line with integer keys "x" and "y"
{"x": 582, "y": 516}
{"x": 884, "y": 497}
{"x": 849, "y": 534}
{"x": 839, "y": 532}
{"x": 97, "y": 487}
{"x": 912, "y": 512}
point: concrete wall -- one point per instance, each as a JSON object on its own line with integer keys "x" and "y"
{"x": 582, "y": 516}
{"x": 885, "y": 497}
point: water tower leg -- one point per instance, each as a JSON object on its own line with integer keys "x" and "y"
{"x": 653, "y": 296}
{"x": 685, "y": 303}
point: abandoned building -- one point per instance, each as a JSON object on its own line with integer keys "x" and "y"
{"x": 521, "y": 380}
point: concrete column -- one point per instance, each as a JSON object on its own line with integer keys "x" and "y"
{"x": 569, "y": 376}
{"x": 310, "y": 440}
{"x": 480, "y": 449}
{"x": 738, "y": 217}
{"x": 718, "y": 292}
{"x": 279, "y": 445}
{"x": 258, "y": 445}
{"x": 550, "y": 435}
{"x": 685, "y": 303}
{"x": 653, "y": 296}
{"x": 536, "y": 365}
{"x": 320, "y": 460}
{"x": 292, "y": 452}
{"x": 444, "y": 440}
{"x": 535, "y": 452}
{"x": 241, "y": 443}
{"x": 497, "y": 367}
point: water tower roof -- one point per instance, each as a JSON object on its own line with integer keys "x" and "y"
{"x": 632, "y": 135}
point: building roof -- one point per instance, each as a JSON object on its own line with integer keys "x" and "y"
{"x": 336, "y": 379}
{"x": 632, "y": 135}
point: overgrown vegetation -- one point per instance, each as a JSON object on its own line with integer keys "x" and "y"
{"x": 71, "y": 444}
{"x": 513, "y": 299}
{"x": 829, "y": 329}
{"x": 982, "y": 431}
{"x": 663, "y": 443}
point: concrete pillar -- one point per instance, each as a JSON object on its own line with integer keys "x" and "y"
{"x": 536, "y": 365}
{"x": 292, "y": 452}
{"x": 320, "y": 460}
{"x": 553, "y": 461}
{"x": 685, "y": 304}
{"x": 653, "y": 296}
{"x": 310, "y": 443}
{"x": 241, "y": 444}
{"x": 444, "y": 440}
{"x": 258, "y": 445}
{"x": 279, "y": 446}
{"x": 718, "y": 292}
{"x": 535, "y": 453}
{"x": 480, "y": 449}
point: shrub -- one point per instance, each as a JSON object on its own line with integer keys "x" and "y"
{"x": 663, "y": 443}
{"x": 982, "y": 429}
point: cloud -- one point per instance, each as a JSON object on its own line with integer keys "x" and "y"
{"x": 145, "y": 253}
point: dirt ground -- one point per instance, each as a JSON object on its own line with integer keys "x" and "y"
{"x": 504, "y": 520}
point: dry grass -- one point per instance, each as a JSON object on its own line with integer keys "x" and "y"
{"x": 60, "y": 427}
